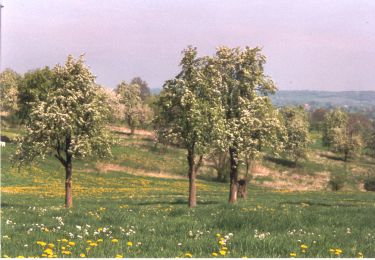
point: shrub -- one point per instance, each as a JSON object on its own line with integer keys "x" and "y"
{"x": 336, "y": 182}
{"x": 369, "y": 184}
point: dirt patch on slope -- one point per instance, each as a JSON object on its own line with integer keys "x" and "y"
{"x": 126, "y": 130}
{"x": 105, "y": 167}
{"x": 289, "y": 181}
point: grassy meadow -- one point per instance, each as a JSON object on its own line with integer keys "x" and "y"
{"x": 135, "y": 205}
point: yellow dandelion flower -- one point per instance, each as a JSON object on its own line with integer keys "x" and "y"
{"x": 118, "y": 256}
{"x": 93, "y": 244}
{"x": 222, "y": 252}
{"x": 114, "y": 240}
{"x": 129, "y": 243}
{"x": 48, "y": 251}
{"x": 218, "y": 235}
{"x": 89, "y": 241}
{"x": 332, "y": 250}
{"x": 214, "y": 254}
{"x": 66, "y": 252}
{"x": 63, "y": 248}
{"x": 293, "y": 254}
{"x": 338, "y": 251}
{"x": 82, "y": 255}
{"x": 303, "y": 246}
{"x": 72, "y": 243}
{"x": 58, "y": 240}
{"x": 224, "y": 248}
{"x": 20, "y": 256}
{"x": 64, "y": 240}
{"x": 188, "y": 255}
{"x": 44, "y": 255}
{"x": 100, "y": 229}
{"x": 6, "y": 256}
{"x": 99, "y": 240}
{"x": 51, "y": 245}
{"x": 41, "y": 243}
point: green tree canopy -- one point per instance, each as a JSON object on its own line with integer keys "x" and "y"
{"x": 9, "y": 83}
{"x": 189, "y": 112}
{"x": 243, "y": 88}
{"x": 34, "y": 87}
{"x": 70, "y": 122}
{"x": 143, "y": 87}
{"x": 336, "y": 118}
{"x": 297, "y": 130}
{"x": 136, "y": 112}
{"x": 342, "y": 133}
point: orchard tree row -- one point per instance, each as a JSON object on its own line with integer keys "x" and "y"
{"x": 130, "y": 102}
{"x": 217, "y": 108}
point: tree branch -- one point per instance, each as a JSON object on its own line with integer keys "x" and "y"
{"x": 59, "y": 157}
{"x": 199, "y": 163}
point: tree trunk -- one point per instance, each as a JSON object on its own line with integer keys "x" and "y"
{"x": 220, "y": 175}
{"x": 242, "y": 184}
{"x": 295, "y": 162}
{"x": 131, "y": 125}
{"x": 346, "y": 155}
{"x": 242, "y": 188}
{"x": 68, "y": 186}
{"x": 132, "y": 130}
{"x": 192, "y": 175}
{"x": 233, "y": 175}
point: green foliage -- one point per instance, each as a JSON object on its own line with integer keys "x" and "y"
{"x": 9, "y": 82}
{"x": 317, "y": 118}
{"x": 250, "y": 122}
{"x": 336, "y": 118}
{"x": 143, "y": 87}
{"x": 34, "y": 87}
{"x": 346, "y": 142}
{"x": 336, "y": 182}
{"x": 369, "y": 184}
{"x": 219, "y": 161}
{"x": 135, "y": 111}
{"x": 189, "y": 107}
{"x": 341, "y": 132}
{"x": 369, "y": 180}
{"x": 297, "y": 130}
{"x": 370, "y": 144}
{"x": 71, "y": 120}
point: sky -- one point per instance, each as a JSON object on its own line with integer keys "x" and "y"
{"x": 309, "y": 45}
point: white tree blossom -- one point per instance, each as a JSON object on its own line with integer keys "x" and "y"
{"x": 70, "y": 123}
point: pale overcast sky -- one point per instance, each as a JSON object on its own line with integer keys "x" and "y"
{"x": 316, "y": 45}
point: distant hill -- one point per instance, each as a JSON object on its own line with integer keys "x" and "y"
{"x": 318, "y": 98}
{"x": 155, "y": 91}
{"x": 359, "y": 99}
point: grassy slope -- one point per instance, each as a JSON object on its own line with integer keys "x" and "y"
{"x": 153, "y": 212}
